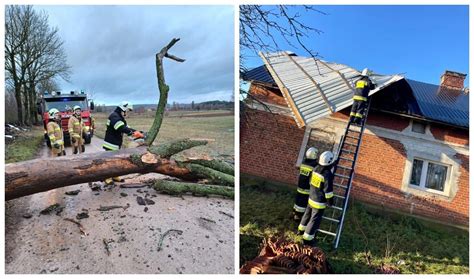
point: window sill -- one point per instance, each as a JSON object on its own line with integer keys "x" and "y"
{"x": 413, "y": 189}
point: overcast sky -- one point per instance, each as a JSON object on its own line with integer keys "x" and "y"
{"x": 112, "y": 51}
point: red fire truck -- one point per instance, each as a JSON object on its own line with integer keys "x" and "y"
{"x": 65, "y": 104}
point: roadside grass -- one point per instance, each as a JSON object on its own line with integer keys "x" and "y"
{"x": 412, "y": 245}
{"x": 25, "y": 146}
{"x": 199, "y": 125}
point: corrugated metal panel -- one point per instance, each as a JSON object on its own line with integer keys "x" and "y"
{"x": 258, "y": 74}
{"x": 309, "y": 103}
{"x": 441, "y": 104}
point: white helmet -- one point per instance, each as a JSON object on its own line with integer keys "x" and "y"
{"x": 365, "y": 72}
{"x": 326, "y": 158}
{"x": 52, "y": 112}
{"x": 311, "y": 153}
{"x": 126, "y": 106}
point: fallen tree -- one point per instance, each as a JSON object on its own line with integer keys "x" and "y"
{"x": 30, "y": 177}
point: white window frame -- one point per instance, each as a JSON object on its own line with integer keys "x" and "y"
{"x": 424, "y": 171}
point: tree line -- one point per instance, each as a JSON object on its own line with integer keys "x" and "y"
{"x": 34, "y": 59}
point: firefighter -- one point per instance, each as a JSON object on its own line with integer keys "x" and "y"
{"x": 320, "y": 195}
{"x": 55, "y": 133}
{"x": 302, "y": 192}
{"x": 116, "y": 126}
{"x": 76, "y": 130}
{"x": 362, "y": 88}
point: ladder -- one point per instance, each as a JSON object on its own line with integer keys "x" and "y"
{"x": 344, "y": 168}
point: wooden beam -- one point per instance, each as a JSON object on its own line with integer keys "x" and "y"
{"x": 286, "y": 94}
{"x": 340, "y": 74}
{"x": 325, "y": 99}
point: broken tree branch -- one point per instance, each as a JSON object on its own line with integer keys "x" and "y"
{"x": 216, "y": 165}
{"x": 163, "y": 88}
{"x": 81, "y": 228}
{"x": 215, "y": 176}
{"x": 181, "y": 188}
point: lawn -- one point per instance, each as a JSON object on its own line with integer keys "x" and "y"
{"x": 25, "y": 146}
{"x": 411, "y": 245}
{"x": 178, "y": 125}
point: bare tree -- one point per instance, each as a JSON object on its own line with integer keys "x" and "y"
{"x": 35, "y": 53}
{"x": 261, "y": 27}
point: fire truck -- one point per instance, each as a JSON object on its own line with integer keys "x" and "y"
{"x": 65, "y": 104}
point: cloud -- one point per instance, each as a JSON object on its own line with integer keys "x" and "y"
{"x": 112, "y": 50}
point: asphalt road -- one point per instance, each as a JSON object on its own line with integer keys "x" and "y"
{"x": 119, "y": 240}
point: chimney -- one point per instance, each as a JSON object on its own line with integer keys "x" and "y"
{"x": 453, "y": 80}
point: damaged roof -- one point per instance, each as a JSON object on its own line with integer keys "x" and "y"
{"x": 297, "y": 83}
{"x": 315, "y": 88}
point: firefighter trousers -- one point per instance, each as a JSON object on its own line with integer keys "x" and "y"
{"x": 357, "y": 111}
{"x": 301, "y": 202}
{"x": 310, "y": 222}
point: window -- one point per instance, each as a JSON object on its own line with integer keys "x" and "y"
{"x": 418, "y": 127}
{"x": 429, "y": 176}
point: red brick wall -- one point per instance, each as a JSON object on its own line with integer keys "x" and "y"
{"x": 378, "y": 180}
{"x": 450, "y": 134}
{"x": 269, "y": 146}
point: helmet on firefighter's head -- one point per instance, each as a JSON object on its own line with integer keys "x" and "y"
{"x": 54, "y": 113}
{"x": 126, "y": 106}
{"x": 326, "y": 158}
{"x": 365, "y": 72}
{"x": 77, "y": 110}
{"x": 77, "y": 107}
{"x": 312, "y": 153}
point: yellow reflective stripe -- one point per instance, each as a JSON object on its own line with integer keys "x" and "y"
{"x": 118, "y": 124}
{"x": 108, "y": 122}
{"x": 359, "y": 98}
{"x": 71, "y": 131}
{"x": 305, "y": 169}
{"x": 329, "y": 195}
{"x": 302, "y": 191}
{"x": 299, "y": 208}
{"x": 110, "y": 146}
{"x": 361, "y": 84}
{"x": 301, "y": 227}
{"x": 308, "y": 237}
{"x": 316, "y": 179}
{"x": 86, "y": 128}
{"x": 358, "y": 115}
{"x": 57, "y": 129}
{"x": 60, "y": 142}
{"x": 316, "y": 205}
{"x": 76, "y": 123}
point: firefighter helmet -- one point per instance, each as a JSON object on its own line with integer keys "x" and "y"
{"x": 52, "y": 112}
{"x": 76, "y": 107}
{"x": 311, "y": 153}
{"x": 326, "y": 158}
{"x": 126, "y": 106}
{"x": 365, "y": 72}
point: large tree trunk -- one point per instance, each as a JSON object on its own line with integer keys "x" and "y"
{"x": 30, "y": 177}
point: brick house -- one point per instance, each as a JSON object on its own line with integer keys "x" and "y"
{"x": 414, "y": 156}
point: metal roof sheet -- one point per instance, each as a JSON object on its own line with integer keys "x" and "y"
{"x": 297, "y": 76}
{"x": 258, "y": 74}
{"x": 440, "y": 103}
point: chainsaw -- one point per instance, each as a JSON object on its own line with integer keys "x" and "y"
{"x": 139, "y": 137}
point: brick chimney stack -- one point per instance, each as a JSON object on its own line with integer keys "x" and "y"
{"x": 453, "y": 80}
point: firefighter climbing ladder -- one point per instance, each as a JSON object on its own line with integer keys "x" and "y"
{"x": 344, "y": 168}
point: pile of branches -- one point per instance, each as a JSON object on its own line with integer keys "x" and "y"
{"x": 284, "y": 257}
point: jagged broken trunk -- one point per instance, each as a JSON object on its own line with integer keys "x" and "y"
{"x": 30, "y": 177}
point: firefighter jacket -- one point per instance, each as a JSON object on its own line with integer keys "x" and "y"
{"x": 321, "y": 186}
{"x": 55, "y": 134}
{"x": 116, "y": 126}
{"x": 75, "y": 127}
{"x": 305, "y": 174}
{"x": 362, "y": 88}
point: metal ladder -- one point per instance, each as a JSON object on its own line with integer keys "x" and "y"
{"x": 344, "y": 168}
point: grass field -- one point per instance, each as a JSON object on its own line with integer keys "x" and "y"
{"x": 409, "y": 244}
{"x": 25, "y": 146}
{"x": 217, "y": 126}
